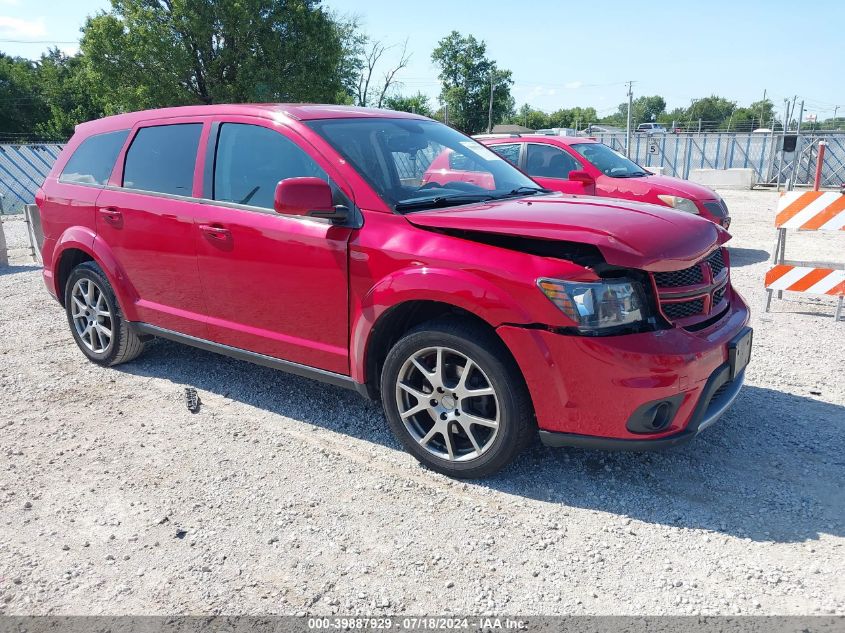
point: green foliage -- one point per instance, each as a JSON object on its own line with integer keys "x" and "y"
{"x": 69, "y": 93}
{"x": 417, "y": 103}
{"x": 712, "y": 109}
{"x": 465, "y": 75}
{"x": 644, "y": 110}
{"x": 577, "y": 117}
{"x": 21, "y": 105}
{"x": 565, "y": 117}
{"x": 154, "y": 53}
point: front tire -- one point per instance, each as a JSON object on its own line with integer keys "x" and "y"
{"x": 95, "y": 318}
{"x": 455, "y": 399}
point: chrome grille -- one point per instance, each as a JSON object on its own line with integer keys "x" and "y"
{"x": 683, "y": 309}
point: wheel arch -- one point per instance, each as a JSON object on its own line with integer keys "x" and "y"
{"x": 410, "y": 296}
{"x": 79, "y": 245}
{"x": 397, "y": 320}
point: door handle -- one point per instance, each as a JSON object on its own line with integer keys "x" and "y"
{"x": 217, "y": 233}
{"x": 111, "y": 215}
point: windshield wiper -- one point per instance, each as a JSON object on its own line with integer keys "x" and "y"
{"x": 441, "y": 201}
{"x": 523, "y": 191}
{"x": 638, "y": 174}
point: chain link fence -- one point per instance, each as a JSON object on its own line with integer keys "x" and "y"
{"x": 22, "y": 170}
{"x": 23, "y": 167}
{"x": 678, "y": 154}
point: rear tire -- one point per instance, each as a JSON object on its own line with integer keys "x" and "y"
{"x": 96, "y": 320}
{"x": 455, "y": 399}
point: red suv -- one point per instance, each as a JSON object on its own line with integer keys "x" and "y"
{"x": 302, "y": 237}
{"x": 585, "y": 166}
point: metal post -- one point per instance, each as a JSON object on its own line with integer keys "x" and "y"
{"x": 777, "y": 258}
{"x": 793, "y": 175}
{"x": 628, "y": 128}
{"x": 4, "y": 256}
{"x": 817, "y": 181}
{"x": 490, "y": 108}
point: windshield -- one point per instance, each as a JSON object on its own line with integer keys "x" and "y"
{"x": 608, "y": 161}
{"x": 416, "y": 165}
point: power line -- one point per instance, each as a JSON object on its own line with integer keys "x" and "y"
{"x": 4, "y": 41}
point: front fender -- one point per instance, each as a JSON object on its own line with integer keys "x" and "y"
{"x": 85, "y": 240}
{"x": 458, "y": 288}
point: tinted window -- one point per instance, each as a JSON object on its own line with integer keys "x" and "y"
{"x": 459, "y": 162}
{"x": 251, "y": 160}
{"x": 510, "y": 152}
{"x": 545, "y": 161}
{"x": 161, "y": 158}
{"x": 93, "y": 160}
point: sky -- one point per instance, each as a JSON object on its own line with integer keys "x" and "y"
{"x": 564, "y": 54}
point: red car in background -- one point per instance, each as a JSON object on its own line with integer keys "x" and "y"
{"x": 587, "y": 167}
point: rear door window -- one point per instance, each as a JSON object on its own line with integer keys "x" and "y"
{"x": 251, "y": 160}
{"x": 545, "y": 161}
{"x": 508, "y": 151}
{"x": 162, "y": 158}
{"x": 93, "y": 160}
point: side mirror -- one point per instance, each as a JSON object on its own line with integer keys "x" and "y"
{"x": 581, "y": 176}
{"x": 310, "y": 197}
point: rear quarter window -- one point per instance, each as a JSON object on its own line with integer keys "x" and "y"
{"x": 161, "y": 159}
{"x": 93, "y": 160}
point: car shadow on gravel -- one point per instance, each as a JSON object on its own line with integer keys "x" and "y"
{"x": 747, "y": 256}
{"x": 14, "y": 268}
{"x": 770, "y": 470}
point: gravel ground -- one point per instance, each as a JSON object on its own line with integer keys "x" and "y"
{"x": 287, "y": 496}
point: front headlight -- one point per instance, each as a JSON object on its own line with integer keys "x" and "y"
{"x": 681, "y": 204}
{"x": 599, "y": 305}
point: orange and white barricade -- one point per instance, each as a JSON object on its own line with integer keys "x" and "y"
{"x": 807, "y": 211}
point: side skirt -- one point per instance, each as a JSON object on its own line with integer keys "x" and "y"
{"x": 339, "y": 380}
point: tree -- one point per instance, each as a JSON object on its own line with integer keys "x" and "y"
{"x": 153, "y": 53}
{"x": 22, "y": 106}
{"x": 69, "y": 93}
{"x": 713, "y": 110}
{"x": 466, "y": 75}
{"x": 530, "y": 117}
{"x": 644, "y": 110}
{"x": 577, "y": 117}
{"x": 368, "y": 93}
{"x": 417, "y": 103}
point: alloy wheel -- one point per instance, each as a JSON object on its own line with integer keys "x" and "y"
{"x": 448, "y": 404}
{"x": 91, "y": 315}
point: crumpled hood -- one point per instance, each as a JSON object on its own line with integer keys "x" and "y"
{"x": 629, "y": 234}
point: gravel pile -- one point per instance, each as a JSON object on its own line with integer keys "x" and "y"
{"x": 283, "y": 495}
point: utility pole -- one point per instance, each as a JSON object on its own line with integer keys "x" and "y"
{"x": 835, "y": 110}
{"x": 628, "y": 127}
{"x": 490, "y": 108}
{"x": 762, "y": 106}
{"x": 782, "y": 139}
{"x": 797, "y": 159}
